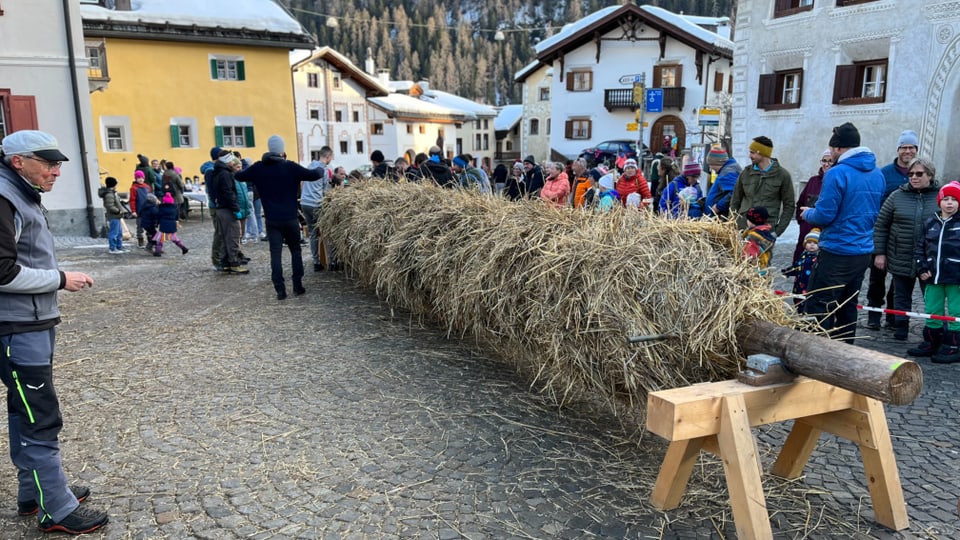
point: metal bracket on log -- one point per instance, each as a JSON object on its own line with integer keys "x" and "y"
{"x": 764, "y": 369}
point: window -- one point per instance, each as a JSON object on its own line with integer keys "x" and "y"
{"x": 780, "y": 90}
{"x": 96, "y": 60}
{"x": 578, "y": 128}
{"x": 409, "y": 129}
{"x": 534, "y": 126}
{"x": 338, "y": 116}
{"x": 579, "y": 81}
{"x": 115, "y": 139}
{"x": 667, "y": 76}
{"x": 344, "y": 147}
{"x": 476, "y": 124}
{"x": 783, "y": 8}
{"x": 180, "y": 136}
{"x": 376, "y": 128}
{"x": 548, "y": 126}
{"x": 356, "y": 116}
{"x": 227, "y": 69}
{"x": 314, "y": 155}
{"x": 476, "y": 142}
{"x": 233, "y": 136}
{"x": 486, "y": 141}
{"x": 360, "y": 147}
{"x": 314, "y": 113}
{"x": 486, "y": 123}
{"x": 313, "y": 80}
{"x": 718, "y": 81}
{"x": 544, "y": 94}
{"x": 860, "y": 82}
{"x": 423, "y": 129}
{"x": 337, "y": 80}
{"x": 17, "y": 112}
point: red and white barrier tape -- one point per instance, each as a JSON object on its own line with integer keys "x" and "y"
{"x": 912, "y": 314}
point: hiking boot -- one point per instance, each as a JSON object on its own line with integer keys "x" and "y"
{"x": 949, "y": 352}
{"x": 184, "y": 250}
{"x": 931, "y": 342}
{"x": 236, "y": 270}
{"x": 82, "y": 520}
{"x": 901, "y": 331}
{"x": 299, "y": 290}
{"x": 29, "y": 508}
{"x": 282, "y": 295}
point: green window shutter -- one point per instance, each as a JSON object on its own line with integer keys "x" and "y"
{"x": 248, "y": 136}
{"x": 213, "y": 69}
{"x": 175, "y": 136}
{"x": 218, "y": 135}
{"x": 241, "y": 71}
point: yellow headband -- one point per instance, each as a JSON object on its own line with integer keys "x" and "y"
{"x": 762, "y": 149}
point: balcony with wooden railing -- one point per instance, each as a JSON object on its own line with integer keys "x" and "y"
{"x": 622, "y": 98}
{"x": 97, "y": 74}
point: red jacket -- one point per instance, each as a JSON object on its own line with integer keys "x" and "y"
{"x": 634, "y": 184}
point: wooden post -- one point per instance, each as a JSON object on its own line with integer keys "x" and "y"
{"x": 870, "y": 373}
{"x": 741, "y": 465}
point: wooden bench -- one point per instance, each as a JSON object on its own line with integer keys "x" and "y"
{"x": 717, "y": 417}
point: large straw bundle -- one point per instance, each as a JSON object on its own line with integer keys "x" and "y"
{"x": 556, "y": 292}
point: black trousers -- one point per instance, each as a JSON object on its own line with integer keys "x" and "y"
{"x": 278, "y": 234}
{"x": 877, "y": 289}
{"x": 834, "y": 288}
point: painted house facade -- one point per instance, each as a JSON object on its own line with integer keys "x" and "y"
{"x": 537, "y": 80}
{"x": 176, "y": 77}
{"x": 43, "y": 85}
{"x": 507, "y": 126}
{"x": 597, "y": 60}
{"x": 332, "y": 110}
{"x": 885, "y": 65}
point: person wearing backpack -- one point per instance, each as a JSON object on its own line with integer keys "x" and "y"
{"x": 114, "y": 213}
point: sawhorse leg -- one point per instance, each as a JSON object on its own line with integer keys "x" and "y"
{"x": 675, "y": 473}
{"x": 741, "y": 466}
{"x": 880, "y": 466}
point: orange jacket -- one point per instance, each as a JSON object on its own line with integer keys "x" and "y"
{"x": 581, "y": 185}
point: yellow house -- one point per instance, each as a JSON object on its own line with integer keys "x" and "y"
{"x": 170, "y": 79}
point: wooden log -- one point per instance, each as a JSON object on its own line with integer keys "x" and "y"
{"x": 870, "y": 373}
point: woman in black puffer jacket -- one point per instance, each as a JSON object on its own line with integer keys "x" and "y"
{"x": 897, "y": 231}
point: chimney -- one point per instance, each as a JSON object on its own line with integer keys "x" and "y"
{"x": 424, "y": 87}
{"x": 123, "y": 5}
{"x": 368, "y": 63}
{"x": 723, "y": 28}
{"x": 384, "y": 76}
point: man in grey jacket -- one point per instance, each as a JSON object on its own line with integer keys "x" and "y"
{"x": 29, "y": 281}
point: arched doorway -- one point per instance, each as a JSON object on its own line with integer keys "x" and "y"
{"x": 667, "y": 126}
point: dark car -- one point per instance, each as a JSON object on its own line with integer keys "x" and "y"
{"x": 607, "y": 152}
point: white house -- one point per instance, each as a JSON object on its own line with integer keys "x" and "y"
{"x": 476, "y": 138}
{"x": 404, "y": 125}
{"x": 537, "y": 80}
{"x": 43, "y": 85}
{"x": 330, "y": 95}
{"x": 805, "y": 66}
{"x": 597, "y": 60}
{"x": 507, "y": 127}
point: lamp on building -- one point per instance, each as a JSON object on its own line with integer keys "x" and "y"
{"x": 499, "y": 36}
{"x": 332, "y": 22}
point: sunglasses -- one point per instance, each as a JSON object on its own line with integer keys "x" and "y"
{"x": 826, "y": 162}
{"x": 916, "y": 173}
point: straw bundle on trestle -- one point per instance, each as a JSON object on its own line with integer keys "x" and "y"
{"x": 557, "y": 292}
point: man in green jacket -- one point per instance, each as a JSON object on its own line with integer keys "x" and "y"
{"x": 764, "y": 183}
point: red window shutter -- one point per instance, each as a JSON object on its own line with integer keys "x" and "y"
{"x": 845, "y": 83}
{"x": 23, "y": 113}
{"x": 767, "y": 91}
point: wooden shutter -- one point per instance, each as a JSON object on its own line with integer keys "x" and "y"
{"x": 767, "y": 91}
{"x": 213, "y": 69}
{"x": 218, "y": 135}
{"x": 589, "y": 75}
{"x": 23, "y": 113}
{"x": 570, "y": 82}
{"x": 248, "y": 136}
{"x": 800, "y": 88}
{"x": 657, "y": 78}
{"x": 718, "y": 81}
{"x": 845, "y": 83}
{"x": 589, "y": 129}
{"x": 568, "y": 129}
{"x": 780, "y": 6}
{"x": 241, "y": 71}
{"x": 175, "y": 136}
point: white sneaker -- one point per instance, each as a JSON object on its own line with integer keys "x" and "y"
{"x": 123, "y": 250}
{"x": 114, "y": 252}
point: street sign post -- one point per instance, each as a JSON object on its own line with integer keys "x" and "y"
{"x": 655, "y": 100}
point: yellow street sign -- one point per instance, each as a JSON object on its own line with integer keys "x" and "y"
{"x": 638, "y": 93}
{"x": 633, "y": 126}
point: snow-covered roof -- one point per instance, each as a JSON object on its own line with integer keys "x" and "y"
{"x": 265, "y": 15}
{"x": 508, "y": 117}
{"x": 404, "y": 105}
{"x": 681, "y": 22}
{"x": 527, "y": 70}
{"x": 299, "y": 57}
{"x": 457, "y": 103}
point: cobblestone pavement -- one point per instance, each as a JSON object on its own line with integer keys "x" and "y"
{"x": 198, "y": 406}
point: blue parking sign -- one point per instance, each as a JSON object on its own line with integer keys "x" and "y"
{"x": 654, "y": 99}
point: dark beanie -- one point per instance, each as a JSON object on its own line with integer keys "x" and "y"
{"x": 111, "y": 182}
{"x": 845, "y": 136}
{"x": 215, "y": 152}
{"x": 530, "y": 159}
{"x": 596, "y": 174}
{"x": 377, "y": 156}
{"x": 758, "y": 215}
